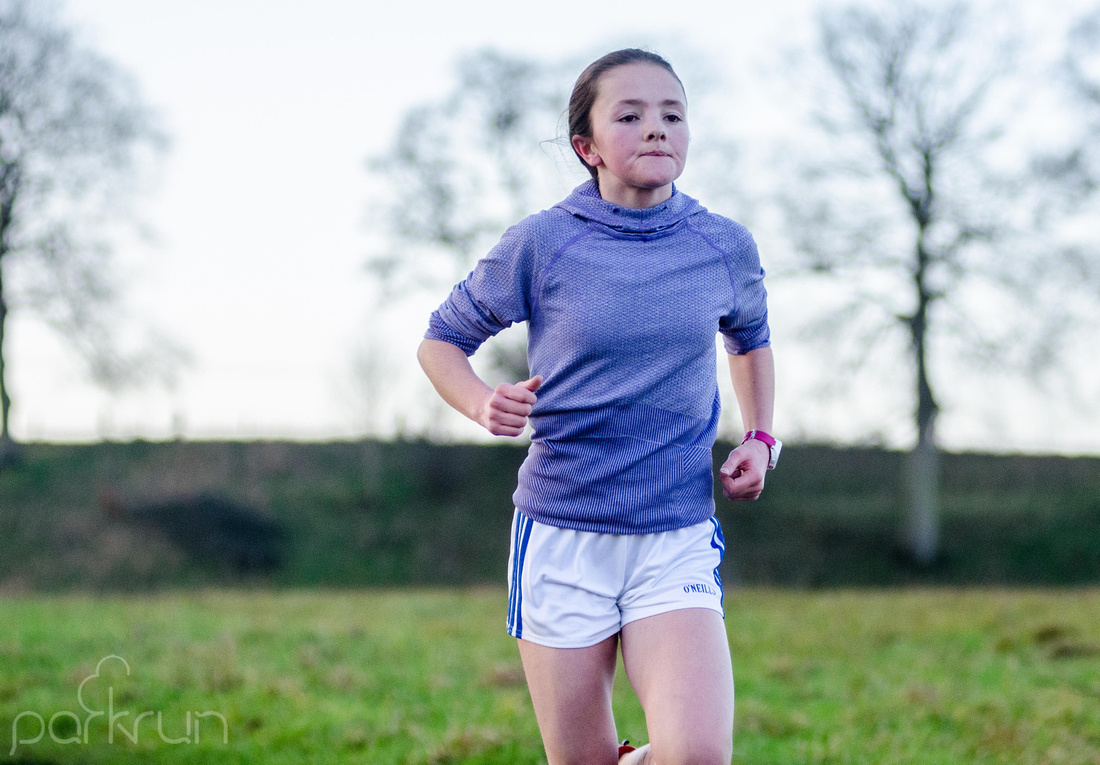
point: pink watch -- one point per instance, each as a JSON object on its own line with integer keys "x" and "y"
{"x": 774, "y": 446}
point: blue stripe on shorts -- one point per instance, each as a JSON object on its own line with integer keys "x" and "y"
{"x": 718, "y": 542}
{"x": 519, "y": 552}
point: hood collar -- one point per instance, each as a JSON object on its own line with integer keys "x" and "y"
{"x": 585, "y": 202}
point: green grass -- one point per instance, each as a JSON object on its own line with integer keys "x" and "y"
{"x": 428, "y": 676}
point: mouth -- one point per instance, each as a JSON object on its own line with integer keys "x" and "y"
{"x": 656, "y": 154}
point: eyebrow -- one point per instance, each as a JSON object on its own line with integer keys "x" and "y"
{"x": 641, "y": 102}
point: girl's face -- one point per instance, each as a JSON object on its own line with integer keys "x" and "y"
{"x": 640, "y": 135}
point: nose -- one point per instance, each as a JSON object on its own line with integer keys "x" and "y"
{"x": 655, "y": 131}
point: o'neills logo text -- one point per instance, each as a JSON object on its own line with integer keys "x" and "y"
{"x": 68, "y": 727}
{"x": 704, "y": 589}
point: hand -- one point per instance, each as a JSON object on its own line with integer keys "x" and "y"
{"x": 742, "y": 475}
{"x": 505, "y": 410}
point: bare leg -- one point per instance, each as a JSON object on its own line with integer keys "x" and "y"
{"x": 679, "y": 664}
{"x": 571, "y": 693}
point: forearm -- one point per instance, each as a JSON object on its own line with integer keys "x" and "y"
{"x": 454, "y": 379}
{"x": 753, "y": 376}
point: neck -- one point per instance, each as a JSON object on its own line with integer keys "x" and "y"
{"x": 631, "y": 197}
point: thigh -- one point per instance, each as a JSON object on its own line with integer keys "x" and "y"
{"x": 571, "y": 692}
{"x": 679, "y": 664}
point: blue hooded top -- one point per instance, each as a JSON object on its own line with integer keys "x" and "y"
{"x": 623, "y": 307}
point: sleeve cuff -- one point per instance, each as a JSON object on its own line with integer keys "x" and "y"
{"x": 735, "y": 347}
{"x": 439, "y": 330}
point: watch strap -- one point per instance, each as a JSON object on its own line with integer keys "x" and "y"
{"x": 774, "y": 446}
{"x": 759, "y": 435}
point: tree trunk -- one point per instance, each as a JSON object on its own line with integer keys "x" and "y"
{"x": 9, "y": 186}
{"x": 9, "y": 450}
{"x": 922, "y": 480}
{"x": 922, "y": 499}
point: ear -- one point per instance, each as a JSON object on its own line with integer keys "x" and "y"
{"x": 587, "y": 149}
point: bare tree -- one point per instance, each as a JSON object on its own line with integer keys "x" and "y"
{"x": 922, "y": 217}
{"x": 74, "y": 135}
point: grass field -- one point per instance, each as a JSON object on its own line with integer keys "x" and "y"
{"x": 926, "y": 677}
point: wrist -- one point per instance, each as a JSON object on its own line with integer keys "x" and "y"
{"x": 483, "y": 409}
{"x": 774, "y": 445}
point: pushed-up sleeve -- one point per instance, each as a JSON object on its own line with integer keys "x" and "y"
{"x": 493, "y": 296}
{"x": 745, "y": 328}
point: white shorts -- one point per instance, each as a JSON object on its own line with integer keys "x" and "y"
{"x": 572, "y": 589}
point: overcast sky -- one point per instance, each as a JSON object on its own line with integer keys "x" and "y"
{"x": 259, "y": 218}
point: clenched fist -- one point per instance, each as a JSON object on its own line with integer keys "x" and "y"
{"x": 504, "y": 411}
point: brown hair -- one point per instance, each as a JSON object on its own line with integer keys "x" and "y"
{"x": 586, "y": 89}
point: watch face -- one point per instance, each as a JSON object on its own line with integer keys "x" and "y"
{"x": 775, "y": 454}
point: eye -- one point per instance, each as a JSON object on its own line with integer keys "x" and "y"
{"x": 674, "y": 118}
{"x": 628, "y": 118}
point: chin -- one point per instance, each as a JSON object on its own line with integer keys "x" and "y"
{"x": 656, "y": 184}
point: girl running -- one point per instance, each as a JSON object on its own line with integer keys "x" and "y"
{"x": 623, "y": 285}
